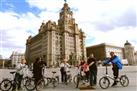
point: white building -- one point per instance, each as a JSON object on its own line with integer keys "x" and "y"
{"x": 16, "y": 58}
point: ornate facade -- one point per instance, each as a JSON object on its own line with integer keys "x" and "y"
{"x": 57, "y": 41}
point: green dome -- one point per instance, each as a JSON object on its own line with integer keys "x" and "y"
{"x": 127, "y": 43}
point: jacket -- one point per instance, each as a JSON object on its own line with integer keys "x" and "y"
{"x": 115, "y": 60}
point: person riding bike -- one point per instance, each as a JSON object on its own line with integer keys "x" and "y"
{"x": 116, "y": 66}
{"x": 84, "y": 68}
{"x": 20, "y": 71}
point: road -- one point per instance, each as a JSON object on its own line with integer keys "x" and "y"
{"x": 130, "y": 71}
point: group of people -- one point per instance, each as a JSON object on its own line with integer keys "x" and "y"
{"x": 89, "y": 67}
{"x": 22, "y": 69}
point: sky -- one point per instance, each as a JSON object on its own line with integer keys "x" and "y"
{"x": 103, "y": 21}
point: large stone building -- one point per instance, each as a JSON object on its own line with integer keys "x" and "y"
{"x": 57, "y": 41}
{"x": 102, "y": 51}
{"x": 16, "y": 57}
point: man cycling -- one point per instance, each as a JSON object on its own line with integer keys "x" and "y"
{"x": 116, "y": 66}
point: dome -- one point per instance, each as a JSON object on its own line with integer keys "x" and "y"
{"x": 127, "y": 43}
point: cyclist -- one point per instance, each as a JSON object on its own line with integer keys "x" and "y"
{"x": 20, "y": 71}
{"x": 116, "y": 66}
{"x": 38, "y": 69}
{"x": 84, "y": 69}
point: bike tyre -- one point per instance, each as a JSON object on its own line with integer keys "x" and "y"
{"x": 106, "y": 81}
{"x": 124, "y": 79}
{"x": 5, "y": 82}
{"x": 30, "y": 84}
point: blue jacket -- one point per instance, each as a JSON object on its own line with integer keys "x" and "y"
{"x": 115, "y": 60}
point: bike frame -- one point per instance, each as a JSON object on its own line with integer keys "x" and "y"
{"x": 108, "y": 76}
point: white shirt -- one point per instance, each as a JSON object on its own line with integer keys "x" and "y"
{"x": 65, "y": 65}
{"x": 21, "y": 68}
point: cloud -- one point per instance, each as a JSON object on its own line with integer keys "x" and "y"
{"x": 110, "y": 21}
{"x": 50, "y": 5}
{"x": 15, "y": 29}
{"x": 101, "y": 20}
{"x": 128, "y": 18}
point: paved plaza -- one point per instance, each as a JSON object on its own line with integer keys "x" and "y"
{"x": 130, "y": 71}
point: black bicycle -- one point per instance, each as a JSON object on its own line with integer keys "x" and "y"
{"x": 104, "y": 82}
{"x": 80, "y": 78}
{"x": 8, "y": 83}
{"x": 31, "y": 85}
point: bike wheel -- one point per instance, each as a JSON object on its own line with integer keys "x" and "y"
{"x": 46, "y": 81}
{"x": 104, "y": 82}
{"x": 69, "y": 78}
{"x": 54, "y": 82}
{"x": 5, "y": 85}
{"x": 30, "y": 84}
{"x": 40, "y": 85}
{"x": 78, "y": 80}
{"x": 24, "y": 81}
{"x": 75, "y": 79}
{"x": 124, "y": 81}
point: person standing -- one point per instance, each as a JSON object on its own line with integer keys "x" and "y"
{"x": 64, "y": 67}
{"x": 37, "y": 70}
{"x": 92, "y": 70}
{"x": 20, "y": 71}
{"x": 116, "y": 66}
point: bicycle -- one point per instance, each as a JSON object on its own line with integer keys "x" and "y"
{"x": 54, "y": 79}
{"x": 30, "y": 84}
{"x": 80, "y": 77}
{"x": 104, "y": 82}
{"x": 69, "y": 77}
{"x": 8, "y": 83}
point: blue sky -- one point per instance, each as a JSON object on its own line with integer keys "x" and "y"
{"x": 109, "y": 21}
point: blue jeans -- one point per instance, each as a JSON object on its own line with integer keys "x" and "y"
{"x": 93, "y": 77}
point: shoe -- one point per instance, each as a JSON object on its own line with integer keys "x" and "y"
{"x": 114, "y": 84}
{"x": 91, "y": 87}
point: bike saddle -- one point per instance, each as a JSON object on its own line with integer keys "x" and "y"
{"x": 53, "y": 71}
{"x": 12, "y": 72}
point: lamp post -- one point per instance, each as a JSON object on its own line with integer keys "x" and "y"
{"x": 3, "y": 63}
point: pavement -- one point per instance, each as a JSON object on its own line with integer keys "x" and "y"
{"x": 130, "y": 71}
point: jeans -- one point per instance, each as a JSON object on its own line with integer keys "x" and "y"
{"x": 17, "y": 81}
{"x": 93, "y": 77}
{"x": 115, "y": 72}
{"x": 63, "y": 76}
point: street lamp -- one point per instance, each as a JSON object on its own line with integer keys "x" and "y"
{"x": 3, "y": 63}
